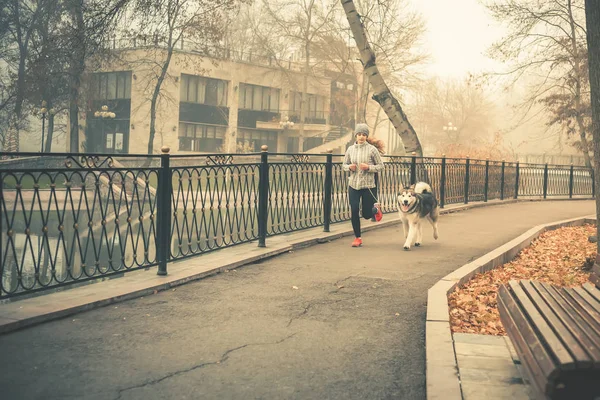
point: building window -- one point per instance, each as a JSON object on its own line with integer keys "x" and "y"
{"x": 111, "y": 85}
{"x": 201, "y": 90}
{"x": 252, "y": 139}
{"x": 315, "y": 109}
{"x": 259, "y": 98}
{"x": 203, "y": 138}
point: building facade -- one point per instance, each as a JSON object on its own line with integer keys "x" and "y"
{"x": 213, "y": 104}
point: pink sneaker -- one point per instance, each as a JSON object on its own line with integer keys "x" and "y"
{"x": 357, "y": 242}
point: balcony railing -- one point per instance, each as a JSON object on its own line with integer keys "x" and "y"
{"x": 216, "y": 52}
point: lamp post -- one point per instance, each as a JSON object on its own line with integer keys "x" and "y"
{"x": 103, "y": 114}
{"x": 285, "y": 123}
{"x": 449, "y": 127}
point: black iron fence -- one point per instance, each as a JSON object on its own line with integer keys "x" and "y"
{"x": 68, "y": 218}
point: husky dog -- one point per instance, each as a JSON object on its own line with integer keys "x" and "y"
{"x": 415, "y": 203}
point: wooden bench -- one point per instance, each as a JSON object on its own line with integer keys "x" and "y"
{"x": 556, "y": 333}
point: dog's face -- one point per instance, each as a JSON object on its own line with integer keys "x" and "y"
{"x": 406, "y": 198}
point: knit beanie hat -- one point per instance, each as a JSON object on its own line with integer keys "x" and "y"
{"x": 361, "y": 128}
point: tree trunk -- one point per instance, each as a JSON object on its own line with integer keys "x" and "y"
{"x": 578, "y": 78}
{"x": 48, "y": 142}
{"x": 155, "y": 94}
{"x": 361, "y": 110}
{"x": 592, "y": 14}
{"x": 12, "y": 135}
{"x": 76, "y": 71}
{"x": 382, "y": 93}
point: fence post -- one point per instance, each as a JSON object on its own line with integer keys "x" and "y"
{"x": 163, "y": 211}
{"x": 502, "y": 169}
{"x": 467, "y": 165}
{"x": 545, "y": 193}
{"x": 263, "y": 196}
{"x": 413, "y": 169}
{"x": 487, "y": 180}
{"x": 443, "y": 183}
{"x": 328, "y": 191}
{"x": 571, "y": 182}
{"x": 517, "y": 181}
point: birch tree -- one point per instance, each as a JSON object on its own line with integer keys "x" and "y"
{"x": 381, "y": 91}
{"x": 302, "y": 25}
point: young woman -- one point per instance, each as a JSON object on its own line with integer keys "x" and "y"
{"x": 363, "y": 160}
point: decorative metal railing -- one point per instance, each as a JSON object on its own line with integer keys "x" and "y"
{"x": 68, "y": 218}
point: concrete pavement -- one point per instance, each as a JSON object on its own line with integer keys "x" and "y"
{"x": 326, "y": 321}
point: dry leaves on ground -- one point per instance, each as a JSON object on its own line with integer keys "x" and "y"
{"x": 561, "y": 257}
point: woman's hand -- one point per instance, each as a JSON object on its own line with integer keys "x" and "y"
{"x": 352, "y": 167}
{"x": 364, "y": 166}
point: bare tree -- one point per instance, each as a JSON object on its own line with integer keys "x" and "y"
{"x": 546, "y": 43}
{"x": 46, "y": 45}
{"x": 462, "y": 103}
{"x": 302, "y": 25}
{"x": 381, "y": 92}
{"x": 21, "y": 18}
{"x": 167, "y": 23}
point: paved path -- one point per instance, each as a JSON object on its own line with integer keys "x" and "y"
{"x": 325, "y": 322}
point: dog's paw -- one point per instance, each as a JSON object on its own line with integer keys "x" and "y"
{"x": 435, "y": 236}
{"x": 417, "y": 244}
{"x": 406, "y": 247}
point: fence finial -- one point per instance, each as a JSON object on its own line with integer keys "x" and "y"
{"x": 165, "y": 149}
{"x": 264, "y": 147}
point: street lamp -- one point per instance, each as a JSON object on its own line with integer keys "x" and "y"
{"x": 449, "y": 127}
{"x": 285, "y": 123}
{"x": 104, "y": 114}
{"x": 43, "y": 110}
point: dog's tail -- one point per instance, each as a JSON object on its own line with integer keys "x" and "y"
{"x": 422, "y": 187}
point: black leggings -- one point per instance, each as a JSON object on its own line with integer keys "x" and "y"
{"x": 368, "y": 200}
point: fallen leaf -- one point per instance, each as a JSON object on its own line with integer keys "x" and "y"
{"x": 559, "y": 257}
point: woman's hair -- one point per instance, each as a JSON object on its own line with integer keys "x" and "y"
{"x": 378, "y": 143}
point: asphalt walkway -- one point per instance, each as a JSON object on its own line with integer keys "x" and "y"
{"x": 324, "y": 322}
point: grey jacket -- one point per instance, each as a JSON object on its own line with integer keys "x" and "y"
{"x": 367, "y": 154}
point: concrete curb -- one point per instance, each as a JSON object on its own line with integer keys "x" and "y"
{"x": 22, "y": 313}
{"x": 442, "y": 372}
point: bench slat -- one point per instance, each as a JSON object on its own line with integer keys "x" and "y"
{"x": 593, "y": 291}
{"x": 524, "y": 292}
{"x": 535, "y": 359}
{"x": 580, "y": 302}
{"x": 568, "y": 326}
{"x": 584, "y": 322}
{"x": 592, "y": 304}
